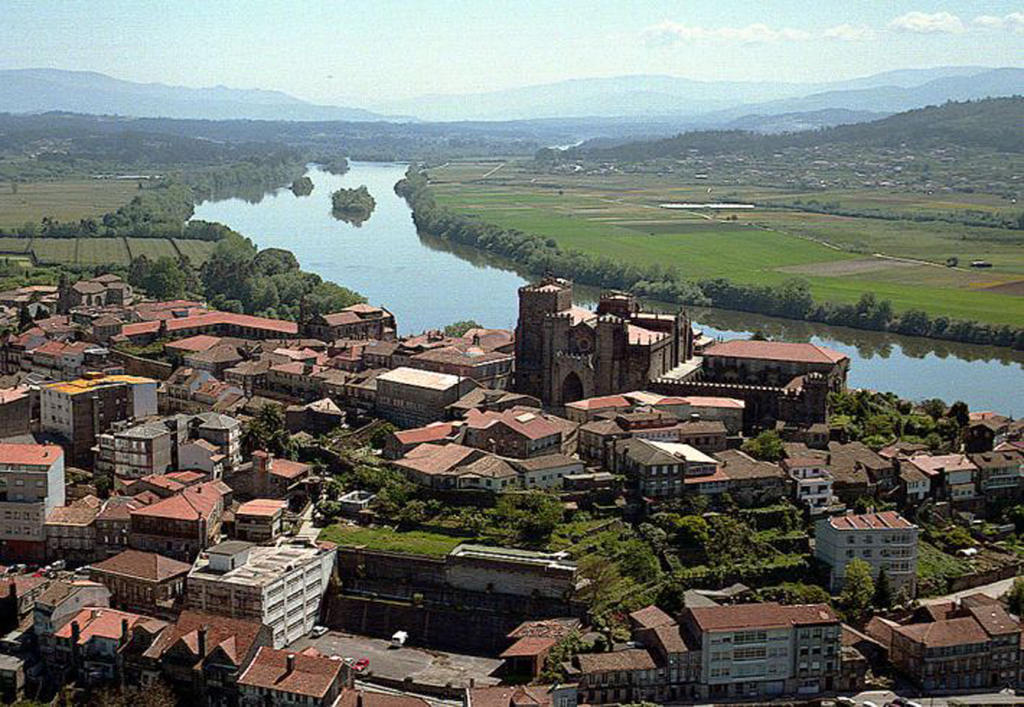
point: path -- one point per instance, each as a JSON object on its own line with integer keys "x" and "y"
{"x": 994, "y": 590}
{"x": 493, "y": 171}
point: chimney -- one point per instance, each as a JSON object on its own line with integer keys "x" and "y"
{"x": 76, "y": 632}
{"x": 290, "y": 664}
{"x": 12, "y": 591}
{"x": 359, "y": 699}
{"x": 201, "y": 641}
{"x": 124, "y": 631}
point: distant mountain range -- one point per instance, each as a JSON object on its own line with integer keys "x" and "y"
{"x": 655, "y": 104}
{"x": 717, "y": 102}
{"x": 40, "y": 90}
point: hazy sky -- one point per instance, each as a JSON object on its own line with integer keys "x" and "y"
{"x": 369, "y": 51}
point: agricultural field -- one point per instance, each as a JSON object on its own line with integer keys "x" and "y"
{"x": 101, "y": 251}
{"x": 620, "y": 216}
{"x": 62, "y": 200}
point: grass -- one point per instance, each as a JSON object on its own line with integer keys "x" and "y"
{"x": 152, "y": 248}
{"x": 69, "y": 200}
{"x": 416, "y": 542}
{"x": 618, "y": 216}
{"x": 935, "y": 568}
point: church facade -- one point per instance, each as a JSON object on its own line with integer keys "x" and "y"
{"x": 565, "y": 353}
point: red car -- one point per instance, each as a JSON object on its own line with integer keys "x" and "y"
{"x": 361, "y": 665}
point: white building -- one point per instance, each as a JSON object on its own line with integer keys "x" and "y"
{"x": 31, "y": 485}
{"x": 813, "y": 486}
{"x": 281, "y": 586}
{"x": 883, "y": 540}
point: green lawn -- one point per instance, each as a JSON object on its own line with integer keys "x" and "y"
{"x": 416, "y": 542}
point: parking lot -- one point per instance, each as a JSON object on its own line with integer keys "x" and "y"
{"x": 425, "y": 667}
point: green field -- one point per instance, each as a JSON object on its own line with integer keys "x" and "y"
{"x": 619, "y": 216}
{"x": 417, "y": 542}
{"x": 63, "y": 200}
{"x": 102, "y": 251}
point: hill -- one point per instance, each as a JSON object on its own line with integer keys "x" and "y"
{"x": 41, "y": 90}
{"x": 992, "y": 124}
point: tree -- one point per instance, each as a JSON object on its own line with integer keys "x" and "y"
{"x": 959, "y": 412}
{"x": 767, "y": 446}
{"x": 692, "y": 532}
{"x": 457, "y": 329}
{"x": 266, "y": 431}
{"x": 1015, "y": 597}
{"x": 883, "y": 596}
{"x": 858, "y": 591}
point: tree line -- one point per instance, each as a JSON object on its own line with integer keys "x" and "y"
{"x": 791, "y": 299}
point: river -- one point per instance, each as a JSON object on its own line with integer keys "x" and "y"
{"x": 429, "y": 283}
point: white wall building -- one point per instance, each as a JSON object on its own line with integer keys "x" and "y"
{"x": 31, "y": 485}
{"x": 281, "y": 586}
{"x": 813, "y": 486}
{"x": 883, "y": 540}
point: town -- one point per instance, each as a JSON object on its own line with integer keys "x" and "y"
{"x": 600, "y": 507}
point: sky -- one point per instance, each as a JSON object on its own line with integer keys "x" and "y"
{"x": 370, "y": 52}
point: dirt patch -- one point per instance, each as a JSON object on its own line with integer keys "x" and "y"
{"x": 838, "y": 268}
{"x": 1015, "y": 288}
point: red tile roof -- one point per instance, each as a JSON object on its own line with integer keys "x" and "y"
{"x": 355, "y": 697}
{"x": 766, "y": 615}
{"x": 886, "y": 520}
{"x": 651, "y": 617}
{"x": 951, "y": 632}
{"x": 775, "y": 351}
{"x": 199, "y": 342}
{"x": 234, "y": 637}
{"x": 606, "y": 401}
{"x": 431, "y": 433}
{"x": 287, "y": 469}
{"x": 261, "y": 507}
{"x": 311, "y": 675}
{"x": 532, "y": 424}
{"x": 193, "y": 503}
{"x": 528, "y": 647}
{"x": 147, "y": 566}
{"x": 435, "y": 458}
{"x": 103, "y": 623}
{"x": 30, "y": 454}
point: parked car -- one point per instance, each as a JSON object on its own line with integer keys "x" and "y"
{"x": 399, "y": 638}
{"x": 361, "y": 665}
{"x": 318, "y": 631}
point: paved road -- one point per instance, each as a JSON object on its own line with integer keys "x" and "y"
{"x": 994, "y": 590}
{"x": 423, "y": 666}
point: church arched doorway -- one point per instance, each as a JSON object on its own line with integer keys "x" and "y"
{"x": 572, "y": 388}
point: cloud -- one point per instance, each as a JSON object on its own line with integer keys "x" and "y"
{"x": 925, "y": 23}
{"x": 1014, "y": 22}
{"x": 677, "y": 33}
{"x": 850, "y": 33}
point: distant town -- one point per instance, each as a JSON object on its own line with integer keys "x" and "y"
{"x": 599, "y": 507}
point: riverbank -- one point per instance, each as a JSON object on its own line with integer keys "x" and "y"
{"x": 790, "y": 299}
{"x": 428, "y": 282}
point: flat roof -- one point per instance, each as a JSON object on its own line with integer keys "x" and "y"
{"x": 266, "y": 564}
{"x": 683, "y": 451}
{"x": 420, "y": 379}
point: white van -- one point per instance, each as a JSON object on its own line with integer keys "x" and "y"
{"x": 398, "y": 640}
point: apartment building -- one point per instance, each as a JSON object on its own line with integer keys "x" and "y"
{"x": 142, "y": 581}
{"x": 813, "y": 482}
{"x": 134, "y": 452}
{"x": 31, "y": 486}
{"x": 277, "y": 677}
{"x": 181, "y": 525}
{"x": 999, "y": 474}
{"x": 972, "y": 644}
{"x": 765, "y": 650}
{"x": 281, "y": 586}
{"x": 884, "y": 540}
{"x": 668, "y": 469}
{"x": 78, "y": 411}
{"x": 409, "y": 397}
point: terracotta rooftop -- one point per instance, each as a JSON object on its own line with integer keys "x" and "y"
{"x": 147, "y": 566}
{"x": 950, "y": 632}
{"x": 311, "y": 676}
{"x": 435, "y": 459}
{"x": 359, "y": 698}
{"x": 886, "y": 520}
{"x": 433, "y": 432}
{"x": 529, "y": 646}
{"x": 939, "y": 463}
{"x": 775, "y": 351}
{"x": 532, "y": 424}
{"x": 651, "y": 617}
{"x": 193, "y": 503}
{"x": 287, "y": 469}
{"x": 233, "y": 637}
{"x": 261, "y": 507}
{"x": 104, "y": 623}
{"x": 197, "y": 343}
{"x": 30, "y": 454}
{"x": 629, "y": 659}
{"x": 766, "y": 615}
{"x": 512, "y": 696}
{"x": 607, "y": 401}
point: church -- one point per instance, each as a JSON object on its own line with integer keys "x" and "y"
{"x": 566, "y": 353}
